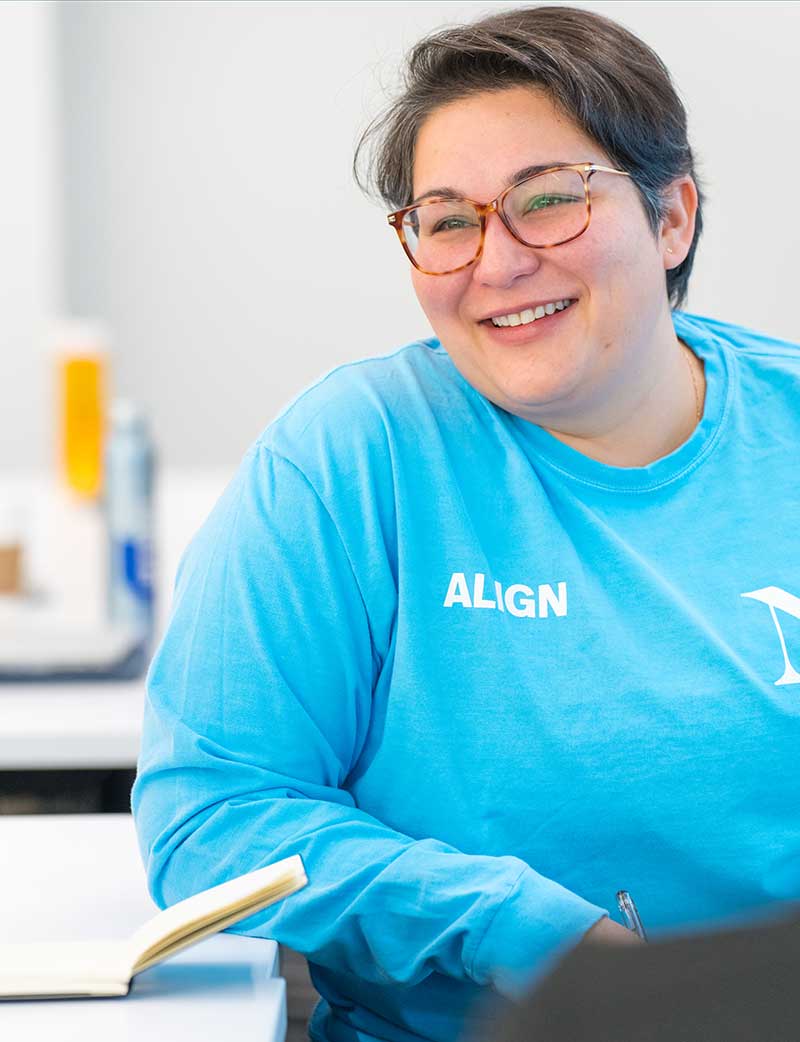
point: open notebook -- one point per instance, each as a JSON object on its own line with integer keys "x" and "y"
{"x": 88, "y": 969}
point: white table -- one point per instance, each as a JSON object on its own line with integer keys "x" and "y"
{"x": 70, "y": 726}
{"x": 98, "y": 724}
{"x": 73, "y": 877}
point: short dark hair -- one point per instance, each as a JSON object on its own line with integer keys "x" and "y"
{"x": 613, "y": 86}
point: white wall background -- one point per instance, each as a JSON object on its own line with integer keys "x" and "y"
{"x": 30, "y": 228}
{"x": 211, "y": 217}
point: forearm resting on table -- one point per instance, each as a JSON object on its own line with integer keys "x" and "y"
{"x": 378, "y": 903}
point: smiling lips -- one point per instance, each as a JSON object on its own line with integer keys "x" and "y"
{"x": 528, "y": 315}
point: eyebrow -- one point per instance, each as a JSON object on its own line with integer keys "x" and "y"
{"x": 520, "y": 175}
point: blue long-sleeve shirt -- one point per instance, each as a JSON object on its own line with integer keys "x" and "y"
{"x": 480, "y": 682}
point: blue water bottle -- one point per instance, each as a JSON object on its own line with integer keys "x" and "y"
{"x": 129, "y": 488}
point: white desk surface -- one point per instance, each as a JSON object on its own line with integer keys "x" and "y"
{"x": 79, "y": 877}
{"x": 70, "y": 725}
{"x": 98, "y": 724}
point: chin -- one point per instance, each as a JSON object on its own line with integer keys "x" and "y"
{"x": 522, "y": 384}
{"x": 523, "y": 397}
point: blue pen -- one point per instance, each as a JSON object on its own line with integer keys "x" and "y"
{"x": 630, "y": 914}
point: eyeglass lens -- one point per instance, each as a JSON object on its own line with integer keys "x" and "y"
{"x": 544, "y": 211}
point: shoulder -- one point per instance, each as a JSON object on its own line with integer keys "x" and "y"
{"x": 330, "y": 455}
{"x": 747, "y": 342}
{"x": 363, "y": 404}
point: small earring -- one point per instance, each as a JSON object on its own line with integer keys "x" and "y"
{"x": 669, "y": 249}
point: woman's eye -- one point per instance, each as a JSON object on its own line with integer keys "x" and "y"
{"x": 452, "y": 224}
{"x": 542, "y": 202}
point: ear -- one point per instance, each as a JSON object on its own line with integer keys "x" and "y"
{"x": 677, "y": 225}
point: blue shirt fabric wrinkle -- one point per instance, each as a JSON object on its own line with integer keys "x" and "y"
{"x": 480, "y": 682}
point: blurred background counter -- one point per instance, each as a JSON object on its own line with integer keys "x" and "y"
{"x": 71, "y": 745}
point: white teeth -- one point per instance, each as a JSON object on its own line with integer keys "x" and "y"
{"x": 524, "y": 318}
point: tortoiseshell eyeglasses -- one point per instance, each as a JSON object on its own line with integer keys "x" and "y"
{"x": 442, "y": 234}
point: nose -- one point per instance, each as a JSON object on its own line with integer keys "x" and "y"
{"x": 503, "y": 259}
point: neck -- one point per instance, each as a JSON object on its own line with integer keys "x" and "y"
{"x": 656, "y": 411}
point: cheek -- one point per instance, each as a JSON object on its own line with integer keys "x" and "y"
{"x": 624, "y": 253}
{"x": 615, "y": 266}
{"x": 439, "y": 298}
{"x": 593, "y": 257}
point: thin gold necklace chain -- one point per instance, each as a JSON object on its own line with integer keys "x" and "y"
{"x": 697, "y": 409}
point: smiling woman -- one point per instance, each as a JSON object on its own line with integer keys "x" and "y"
{"x": 607, "y": 375}
{"x": 582, "y": 89}
{"x": 478, "y": 629}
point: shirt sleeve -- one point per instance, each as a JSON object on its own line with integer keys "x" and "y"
{"x": 258, "y": 704}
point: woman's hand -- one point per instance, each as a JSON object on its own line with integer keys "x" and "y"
{"x": 606, "y": 931}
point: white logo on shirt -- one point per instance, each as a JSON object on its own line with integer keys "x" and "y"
{"x": 774, "y": 597}
{"x": 517, "y": 599}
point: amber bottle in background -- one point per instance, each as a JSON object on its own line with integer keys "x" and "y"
{"x": 82, "y": 375}
{"x": 77, "y": 575}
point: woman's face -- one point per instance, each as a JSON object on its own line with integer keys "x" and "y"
{"x": 571, "y": 361}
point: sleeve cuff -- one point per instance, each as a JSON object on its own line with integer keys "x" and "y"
{"x": 537, "y": 922}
